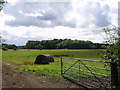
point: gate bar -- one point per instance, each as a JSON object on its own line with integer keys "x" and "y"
{"x": 86, "y": 60}
{"x": 70, "y": 66}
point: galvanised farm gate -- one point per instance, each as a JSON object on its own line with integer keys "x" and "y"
{"x": 87, "y": 73}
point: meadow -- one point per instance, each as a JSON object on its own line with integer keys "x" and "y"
{"x": 52, "y": 69}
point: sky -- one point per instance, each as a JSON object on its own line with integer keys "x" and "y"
{"x": 23, "y": 20}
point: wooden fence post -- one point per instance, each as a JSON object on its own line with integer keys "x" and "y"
{"x": 114, "y": 75}
{"x": 119, "y": 76}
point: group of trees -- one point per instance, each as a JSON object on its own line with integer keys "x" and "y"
{"x": 62, "y": 44}
{"x": 5, "y": 47}
{"x": 56, "y": 44}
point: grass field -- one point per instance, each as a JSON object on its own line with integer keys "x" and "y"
{"x": 52, "y": 69}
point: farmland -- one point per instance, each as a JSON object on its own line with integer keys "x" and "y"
{"x": 53, "y": 69}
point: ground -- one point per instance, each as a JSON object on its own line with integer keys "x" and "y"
{"x": 11, "y": 79}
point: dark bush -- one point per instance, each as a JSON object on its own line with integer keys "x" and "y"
{"x": 15, "y": 49}
{"x": 5, "y": 49}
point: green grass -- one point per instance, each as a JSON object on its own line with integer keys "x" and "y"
{"x": 52, "y": 69}
{"x": 21, "y": 56}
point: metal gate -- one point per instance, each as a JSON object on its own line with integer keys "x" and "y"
{"x": 87, "y": 73}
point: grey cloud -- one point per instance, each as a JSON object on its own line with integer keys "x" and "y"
{"x": 95, "y": 14}
{"x": 102, "y": 21}
{"x": 52, "y": 14}
{"x": 48, "y": 15}
{"x": 102, "y": 16}
{"x": 71, "y": 23}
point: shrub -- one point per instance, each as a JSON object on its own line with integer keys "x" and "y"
{"x": 15, "y": 49}
{"x": 5, "y": 49}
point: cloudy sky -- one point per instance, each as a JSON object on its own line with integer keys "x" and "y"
{"x": 23, "y": 20}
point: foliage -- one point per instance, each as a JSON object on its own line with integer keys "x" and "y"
{"x": 9, "y": 46}
{"x": 2, "y": 3}
{"x": 112, "y": 52}
{"x": 5, "y": 49}
{"x": 62, "y": 44}
{"x": 15, "y": 49}
{"x": 39, "y": 47}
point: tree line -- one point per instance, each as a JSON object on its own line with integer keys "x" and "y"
{"x": 57, "y": 44}
{"x": 5, "y": 47}
{"x": 62, "y": 44}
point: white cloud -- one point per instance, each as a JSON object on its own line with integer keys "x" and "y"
{"x": 4, "y": 17}
{"x": 75, "y": 14}
{"x": 12, "y": 2}
{"x": 20, "y": 35}
{"x": 40, "y": 14}
{"x": 23, "y": 21}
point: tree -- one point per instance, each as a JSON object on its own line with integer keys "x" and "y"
{"x": 39, "y": 47}
{"x": 31, "y": 44}
{"x": 113, "y": 49}
{"x": 5, "y": 49}
{"x": 112, "y": 53}
{"x": 62, "y": 44}
{"x": 2, "y": 3}
{"x": 15, "y": 49}
{"x": 9, "y": 46}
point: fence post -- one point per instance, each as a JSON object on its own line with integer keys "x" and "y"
{"x": 61, "y": 67}
{"x": 114, "y": 75}
{"x": 119, "y": 76}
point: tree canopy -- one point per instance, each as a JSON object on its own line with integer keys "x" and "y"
{"x": 9, "y": 46}
{"x": 62, "y": 44}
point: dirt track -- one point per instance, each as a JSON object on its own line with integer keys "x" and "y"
{"x": 11, "y": 79}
